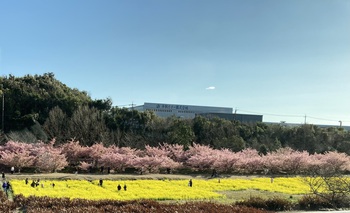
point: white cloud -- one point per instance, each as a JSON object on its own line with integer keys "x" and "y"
{"x": 210, "y": 88}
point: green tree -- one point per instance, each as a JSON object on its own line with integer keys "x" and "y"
{"x": 56, "y": 125}
{"x": 181, "y": 133}
{"x": 233, "y": 142}
{"x": 31, "y": 98}
{"x": 87, "y": 125}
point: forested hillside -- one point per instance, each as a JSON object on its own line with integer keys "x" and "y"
{"x": 41, "y": 108}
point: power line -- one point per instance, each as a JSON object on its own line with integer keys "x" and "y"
{"x": 271, "y": 114}
{"x": 295, "y": 116}
{"x": 132, "y": 105}
{"x": 323, "y": 119}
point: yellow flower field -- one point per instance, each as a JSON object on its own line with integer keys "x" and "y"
{"x": 157, "y": 189}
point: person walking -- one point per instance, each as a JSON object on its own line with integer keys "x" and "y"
{"x": 4, "y": 186}
{"x": 190, "y": 183}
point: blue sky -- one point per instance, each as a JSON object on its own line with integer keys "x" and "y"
{"x": 282, "y": 59}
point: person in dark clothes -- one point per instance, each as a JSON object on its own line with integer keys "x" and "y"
{"x": 124, "y": 187}
{"x": 8, "y": 185}
{"x": 4, "y": 186}
{"x": 190, "y": 183}
{"x": 214, "y": 174}
{"x": 119, "y": 187}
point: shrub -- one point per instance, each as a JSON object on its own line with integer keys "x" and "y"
{"x": 271, "y": 204}
{"x": 313, "y": 202}
{"x": 47, "y": 205}
{"x": 278, "y": 204}
{"x": 5, "y": 204}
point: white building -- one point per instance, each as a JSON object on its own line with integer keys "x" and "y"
{"x": 182, "y": 111}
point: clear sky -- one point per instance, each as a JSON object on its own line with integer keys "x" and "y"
{"x": 283, "y": 59}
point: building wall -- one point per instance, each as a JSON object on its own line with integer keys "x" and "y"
{"x": 179, "y": 110}
{"x": 244, "y": 118}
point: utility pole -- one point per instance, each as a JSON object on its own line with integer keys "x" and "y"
{"x": 3, "y": 112}
{"x": 132, "y": 111}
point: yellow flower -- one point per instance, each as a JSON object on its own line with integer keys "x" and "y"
{"x": 156, "y": 189}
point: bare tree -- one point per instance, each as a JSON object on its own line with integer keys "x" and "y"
{"x": 327, "y": 180}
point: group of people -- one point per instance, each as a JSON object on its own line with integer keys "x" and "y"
{"x": 108, "y": 169}
{"x": 35, "y": 183}
{"x": 119, "y": 187}
{"x": 6, "y": 186}
{"x": 12, "y": 171}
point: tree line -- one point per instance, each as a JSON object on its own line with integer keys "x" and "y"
{"x": 42, "y": 108}
{"x": 48, "y": 157}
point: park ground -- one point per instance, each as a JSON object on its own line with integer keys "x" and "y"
{"x": 231, "y": 196}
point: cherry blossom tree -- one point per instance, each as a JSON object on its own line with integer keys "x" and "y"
{"x": 329, "y": 163}
{"x": 156, "y": 151}
{"x": 152, "y": 159}
{"x": 249, "y": 161}
{"x": 296, "y": 162}
{"x": 326, "y": 177}
{"x": 49, "y": 158}
{"x": 226, "y": 160}
{"x": 116, "y": 161}
{"x": 96, "y": 151}
{"x": 12, "y": 146}
{"x": 201, "y": 157}
{"x": 175, "y": 152}
{"x": 75, "y": 153}
{"x": 50, "y": 161}
{"x": 153, "y": 164}
{"x": 16, "y": 154}
{"x": 286, "y": 160}
{"x": 85, "y": 166}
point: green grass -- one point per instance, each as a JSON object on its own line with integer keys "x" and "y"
{"x": 233, "y": 196}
